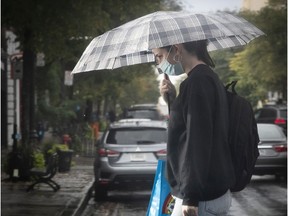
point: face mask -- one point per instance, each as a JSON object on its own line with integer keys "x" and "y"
{"x": 170, "y": 69}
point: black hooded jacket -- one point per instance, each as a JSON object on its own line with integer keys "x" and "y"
{"x": 199, "y": 166}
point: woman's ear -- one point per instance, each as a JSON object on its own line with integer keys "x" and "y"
{"x": 178, "y": 48}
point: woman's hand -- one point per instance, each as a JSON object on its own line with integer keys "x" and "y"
{"x": 189, "y": 210}
{"x": 166, "y": 87}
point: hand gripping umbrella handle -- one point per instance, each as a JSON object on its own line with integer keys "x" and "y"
{"x": 167, "y": 94}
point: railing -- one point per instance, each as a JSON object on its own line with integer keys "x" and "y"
{"x": 88, "y": 147}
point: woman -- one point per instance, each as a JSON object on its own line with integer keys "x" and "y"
{"x": 199, "y": 166}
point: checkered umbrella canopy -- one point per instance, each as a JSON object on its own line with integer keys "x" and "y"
{"x": 132, "y": 42}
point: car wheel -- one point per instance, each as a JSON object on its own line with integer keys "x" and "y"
{"x": 100, "y": 192}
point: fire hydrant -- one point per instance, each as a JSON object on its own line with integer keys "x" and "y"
{"x": 66, "y": 139}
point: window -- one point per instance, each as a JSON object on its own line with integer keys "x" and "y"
{"x": 137, "y": 136}
{"x": 283, "y": 113}
{"x": 269, "y": 132}
{"x": 268, "y": 113}
{"x": 149, "y": 114}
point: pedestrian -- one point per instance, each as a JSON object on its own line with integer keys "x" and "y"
{"x": 199, "y": 166}
{"x": 40, "y": 131}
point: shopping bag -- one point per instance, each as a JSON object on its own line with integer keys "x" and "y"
{"x": 161, "y": 202}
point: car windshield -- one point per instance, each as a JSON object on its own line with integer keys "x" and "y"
{"x": 283, "y": 113}
{"x": 270, "y": 132}
{"x": 150, "y": 114}
{"x": 137, "y": 136}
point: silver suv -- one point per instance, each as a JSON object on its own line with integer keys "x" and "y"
{"x": 127, "y": 155}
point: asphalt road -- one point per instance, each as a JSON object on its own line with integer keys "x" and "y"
{"x": 265, "y": 196}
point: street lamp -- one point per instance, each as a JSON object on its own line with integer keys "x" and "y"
{"x": 17, "y": 73}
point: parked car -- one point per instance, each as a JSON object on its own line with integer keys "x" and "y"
{"x": 273, "y": 114}
{"x": 273, "y": 151}
{"x": 148, "y": 111}
{"x": 128, "y": 154}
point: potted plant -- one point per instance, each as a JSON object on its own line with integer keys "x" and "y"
{"x": 64, "y": 153}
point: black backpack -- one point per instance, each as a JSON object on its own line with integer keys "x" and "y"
{"x": 243, "y": 137}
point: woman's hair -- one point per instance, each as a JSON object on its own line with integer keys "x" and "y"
{"x": 198, "y": 48}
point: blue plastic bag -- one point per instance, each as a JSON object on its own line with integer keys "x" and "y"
{"x": 161, "y": 202}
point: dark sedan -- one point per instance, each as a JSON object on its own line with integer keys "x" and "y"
{"x": 273, "y": 151}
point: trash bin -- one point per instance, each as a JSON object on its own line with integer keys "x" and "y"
{"x": 64, "y": 161}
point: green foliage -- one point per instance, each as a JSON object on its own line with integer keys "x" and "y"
{"x": 50, "y": 147}
{"x": 262, "y": 65}
{"x": 38, "y": 160}
{"x": 102, "y": 125}
{"x": 123, "y": 86}
{"x": 57, "y": 147}
{"x": 48, "y": 81}
{"x": 62, "y": 30}
{"x": 221, "y": 59}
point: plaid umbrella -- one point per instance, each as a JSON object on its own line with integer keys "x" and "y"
{"x": 132, "y": 42}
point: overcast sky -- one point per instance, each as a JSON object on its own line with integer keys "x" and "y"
{"x": 211, "y": 5}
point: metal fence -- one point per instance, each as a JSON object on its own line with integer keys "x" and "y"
{"x": 88, "y": 147}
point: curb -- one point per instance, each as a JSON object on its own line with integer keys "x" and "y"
{"x": 84, "y": 201}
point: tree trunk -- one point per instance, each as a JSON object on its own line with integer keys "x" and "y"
{"x": 28, "y": 88}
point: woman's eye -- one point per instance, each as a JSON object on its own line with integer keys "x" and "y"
{"x": 158, "y": 59}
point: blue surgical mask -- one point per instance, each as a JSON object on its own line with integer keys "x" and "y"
{"x": 170, "y": 69}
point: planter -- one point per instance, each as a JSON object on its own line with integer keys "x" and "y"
{"x": 64, "y": 160}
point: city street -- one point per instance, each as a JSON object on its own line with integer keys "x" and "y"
{"x": 107, "y": 95}
{"x": 263, "y": 197}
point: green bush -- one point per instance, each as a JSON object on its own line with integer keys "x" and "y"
{"x": 38, "y": 160}
{"x": 50, "y": 147}
{"x": 56, "y": 147}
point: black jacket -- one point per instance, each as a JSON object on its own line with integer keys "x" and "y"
{"x": 199, "y": 166}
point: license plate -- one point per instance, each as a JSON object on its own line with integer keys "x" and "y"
{"x": 137, "y": 157}
{"x": 267, "y": 152}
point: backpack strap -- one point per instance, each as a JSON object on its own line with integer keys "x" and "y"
{"x": 232, "y": 84}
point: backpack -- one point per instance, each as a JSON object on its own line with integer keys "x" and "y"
{"x": 243, "y": 137}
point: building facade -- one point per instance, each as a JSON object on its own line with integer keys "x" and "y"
{"x": 253, "y": 5}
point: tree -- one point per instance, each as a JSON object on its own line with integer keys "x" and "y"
{"x": 62, "y": 30}
{"x": 262, "y": 65}
{"x": 123, "y": 86}
{"x": 221, "y": 59}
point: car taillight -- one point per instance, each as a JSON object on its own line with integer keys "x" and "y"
{"x": 280, "y": 148}
{"x": 161, "y": 153}
{"x": 107, "y": 153}
{"x": 102, "y": 152}
{"x": 280, "y": 121}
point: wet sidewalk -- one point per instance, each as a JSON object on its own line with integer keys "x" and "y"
{"x": 76, "y": 189}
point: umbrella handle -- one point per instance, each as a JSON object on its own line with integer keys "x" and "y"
{"x": 167, "y": 94}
